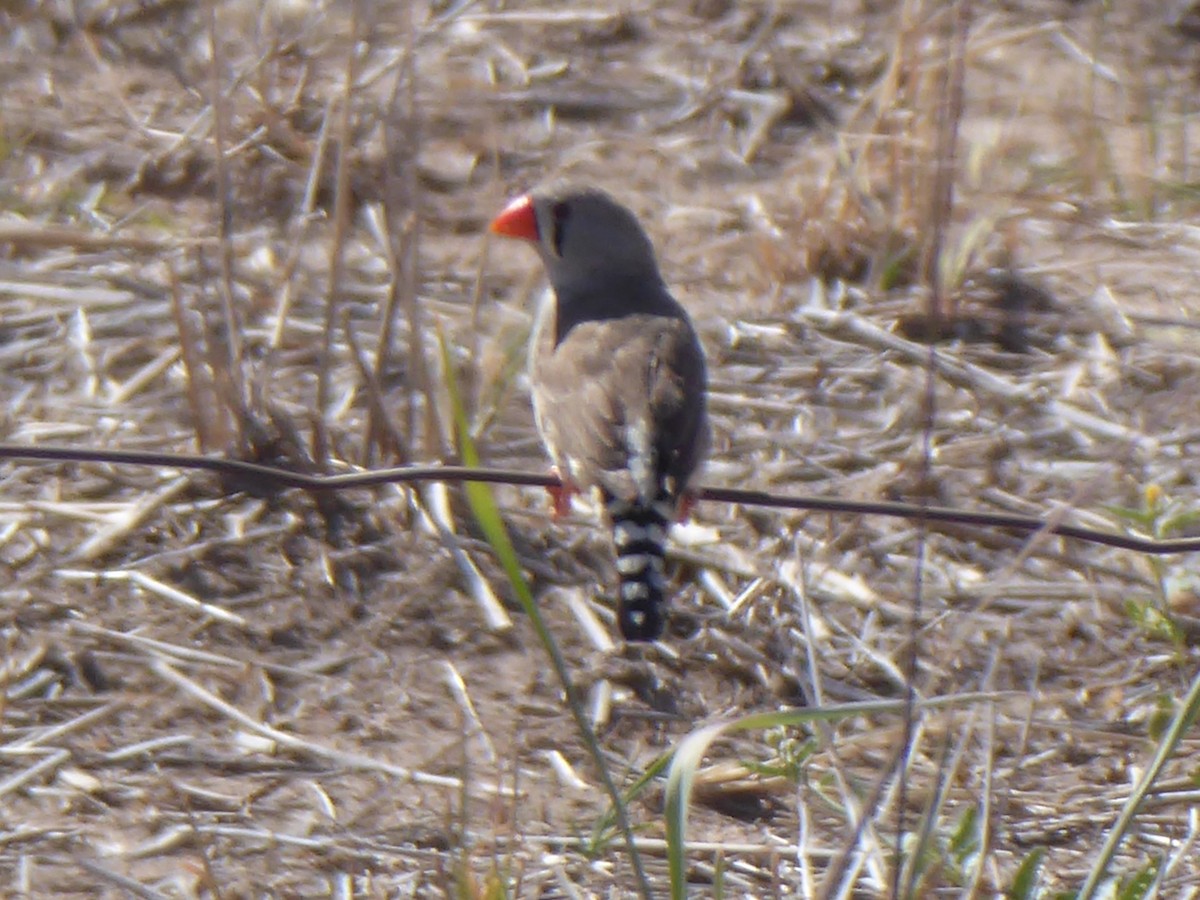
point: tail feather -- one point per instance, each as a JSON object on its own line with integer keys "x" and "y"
{"x": 639, "y": 536}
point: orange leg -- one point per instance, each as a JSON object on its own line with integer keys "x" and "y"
{"x": 560, "y": 496}
{"x": 686, "y": 504}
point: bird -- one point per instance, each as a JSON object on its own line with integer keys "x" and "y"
{"x": 618, "y": 382}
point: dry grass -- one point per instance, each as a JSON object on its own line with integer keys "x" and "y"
{"x": 210, "y": 693}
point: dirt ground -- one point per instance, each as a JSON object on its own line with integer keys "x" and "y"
{"x": 220, "y": 692}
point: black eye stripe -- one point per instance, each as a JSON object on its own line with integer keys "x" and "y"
{"x": 559, "y": 214}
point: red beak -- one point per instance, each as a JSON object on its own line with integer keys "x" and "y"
{"x": 517, "y": 220}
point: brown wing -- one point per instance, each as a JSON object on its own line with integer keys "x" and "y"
{"x": 610, "y": 388}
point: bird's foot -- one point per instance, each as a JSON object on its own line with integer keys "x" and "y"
{"x": 686, "y": 504}
{"x": 560, "y": 495}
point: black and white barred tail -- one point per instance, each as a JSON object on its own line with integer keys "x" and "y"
{"x": 640, "y": 537}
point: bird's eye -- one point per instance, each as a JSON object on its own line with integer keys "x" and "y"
{"x": 559, "y": 214}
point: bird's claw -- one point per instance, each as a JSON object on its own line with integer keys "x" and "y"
{"x": 687, "y": 503}
{"x": 560, "y": 495}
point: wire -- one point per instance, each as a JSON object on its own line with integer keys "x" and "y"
{"x": 271, "y": 477}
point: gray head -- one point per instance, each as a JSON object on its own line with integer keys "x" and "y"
{"x": 584, "y": 236}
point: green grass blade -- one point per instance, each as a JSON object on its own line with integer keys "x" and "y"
{"x": 491, "y": 523}
{"x": 1167, "y": 745}
{"x": 1025, "y": 883}
{"x": 687, "y": 757}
